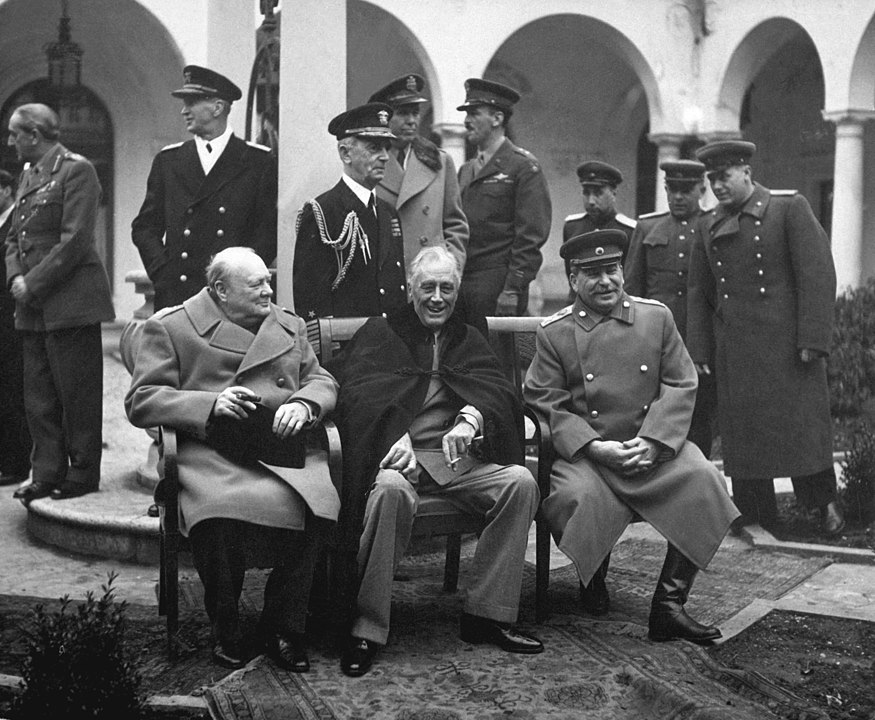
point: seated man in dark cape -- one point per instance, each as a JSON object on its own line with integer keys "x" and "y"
{"x": 424, "y": 410}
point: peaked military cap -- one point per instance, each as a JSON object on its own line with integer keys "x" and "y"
{"x": 203, "y": 82}
{"x": 683, "y": 172}
{"x": 405, "y": 90}
{"x": 723, "y": 154}
{"x": 487, "y": 92}
{"x": 595, "y": 172}
{"x": 598, "y": 247}
{"x": 370, "y": 120}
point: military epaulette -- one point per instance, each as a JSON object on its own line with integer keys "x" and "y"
{"x": 522, "y": 151}
{"x": 647, "y": 301}
{"x": 73, "y": 156}
{"x": 172, "y": 146}
{"x": 427, "y": 153}
{"x": 556, "y": 316}
{"x": 289, "y": 312}
{"x": 656, "y": 214}
{"x": 575, "y": 216}
{"x": 625, "y": 220}
{"x": 265, "y": 148}
{"x": 783, "y": 193}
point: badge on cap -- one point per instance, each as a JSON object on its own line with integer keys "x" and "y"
{"x": 187, "y": 76}
{"x": 599, "y": 251}
{"x": 411, "y": 83}
{"x": 384, "y": 117}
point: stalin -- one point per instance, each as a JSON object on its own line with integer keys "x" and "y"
{"x": 210, "y": 193}
{"x": 614, "y": 381}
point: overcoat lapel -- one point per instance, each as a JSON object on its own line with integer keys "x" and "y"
{"x": 417, "y": 178}
{"x": 392, "y": 179}
{"x": 268, "y": 343}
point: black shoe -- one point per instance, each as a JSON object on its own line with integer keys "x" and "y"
{"x": 289, "y": 652}
{"x": 665, "y": 626}
{"x": 71, "y": 490}
{"x": 358, "y": 657}
{"x": 13, "y": 478}
{"x": 832, "y": 521}
{"x": 475, "y": 629}
{"x": 594, "y": 598}
{"x": 227, "y": 655}
{"x": 33, "y": 491}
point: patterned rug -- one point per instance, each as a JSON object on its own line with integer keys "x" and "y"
{"x": 602, "y": 669}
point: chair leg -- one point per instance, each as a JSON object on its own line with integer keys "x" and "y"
{"x": 542, "y": 570}
{"x": 162, "y": 577}
{"x": 172, "y": 599}
{"x": 451, "y": 568}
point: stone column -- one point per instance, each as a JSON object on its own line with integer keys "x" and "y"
{"x": 668, "y": 148}
{"x": 453, "y": 136}
{"x": 848, "y": 194}
{"x": 312, "y": 91}
{"x": 230, "y": 49}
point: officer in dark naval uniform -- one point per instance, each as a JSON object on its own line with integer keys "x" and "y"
{"x": 204, "y": 195}
{"x": 349, "y": 253}
{"x": 507, "y": 203}
{"x": 658, "y": 268}
{"x": 762, "y": 286}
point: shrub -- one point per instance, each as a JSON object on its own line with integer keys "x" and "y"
{"x": 75, "y": 666}
{"x": 851, "y": 366}
{"x": 858, "y": 473}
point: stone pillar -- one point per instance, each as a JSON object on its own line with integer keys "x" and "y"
{"x": 848, "y": 194}
{"x": 312, "y": 91}
{"x": 231, "y": 49}
{"x": 668, "y": 148}
{"x": 453, "y": 136}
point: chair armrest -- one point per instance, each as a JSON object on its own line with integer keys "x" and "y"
{"x": 543, "y": 440}
{"x": 329, "y": 438}
{"x": 167, "y": 492}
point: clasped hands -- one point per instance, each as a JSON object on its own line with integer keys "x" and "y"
{"x": 630, "y": 458}
{"x": 455, "y": 445}
{"x": 235, "y": 401}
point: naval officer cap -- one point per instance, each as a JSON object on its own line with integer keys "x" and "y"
{"x": 682, "y": 172}
{"x": 203, "y": 82}
{"x": 486, "y": 92}
{"x": 595, "y": 248}
{"x": 367, "y": 121}
{"x": 406, "y": 90}
{"x": 595, "y": 172}
{"x": 723, "y": 154}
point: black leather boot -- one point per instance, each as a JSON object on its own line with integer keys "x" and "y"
{"x": 594, "y": 597}
{"x": 668, "y": 619}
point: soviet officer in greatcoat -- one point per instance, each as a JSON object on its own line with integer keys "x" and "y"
{"x": 507, "y": 202}
{"x": 212, "y": 192}
{"x": 658, "y": 268}
{"x": 762, "y": 286}
{"x": 612, "y": 377}
{"x": 61, "y": 296}
{"x": 349, "y": 252}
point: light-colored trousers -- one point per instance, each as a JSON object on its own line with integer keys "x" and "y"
{"x": 505, "y": 496}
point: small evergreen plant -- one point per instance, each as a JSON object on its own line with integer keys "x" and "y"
{"x": 76, "y": 665}
{"x": 851, "y": 366}
{"x": 858, "y": 473}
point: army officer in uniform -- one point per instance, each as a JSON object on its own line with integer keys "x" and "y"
{"x": 209, "y": 193}
{"x": 612, "y": 377}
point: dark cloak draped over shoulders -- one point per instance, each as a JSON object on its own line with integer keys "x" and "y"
{"x": 382, "y": 388}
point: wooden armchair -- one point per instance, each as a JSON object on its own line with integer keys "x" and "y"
{"x": 171, "y": 542}
{"x": 513, "y": 339}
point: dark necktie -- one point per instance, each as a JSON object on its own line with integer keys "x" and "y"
{"x": 372, "y": 205}
{"x": 402, "y": 154}
{"x": 209, "y": 148}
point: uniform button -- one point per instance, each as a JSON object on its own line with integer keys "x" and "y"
{"x": 723, "y": 280}
{"x": 643, "y": 368}
{"x": 759, "y": 256}
{"x": 719, "y": 264}
{"x": 625, "y": 303}
{"x": 682, "y": 237}
{"x": 398, "y": 263}
{"x": 183, "y": 278}
{"x": 594, "y": 413}
{"x": 680, "y": 273}
{"x": 382, "y": 291}
{"x": 184, "y": 256}
{"x": 220, "y": 233}
{"x": 280, "y": 382}
{"x": 680, "y": 255}
{"x": 645, "y": 408}
{"x": 726, "y": 297}
{"x": 589, "y": 377}
{"x": 684, "y": 223}
{"x": 758, "y": 223}
{"x": 423, "y": 240}
{"x": 384, "y": 315}
{"x": 762, "y": 291}
{"x": 759, "y": 203}
{"x": 760, "y": 273}
{"x": 402, "y": 287}
{"x": 680, "y": 293}
{"x": 186, "y": 232}
{"x": 582, "y": 313}
{"x": 222, "y": 210}
{"x": 756, "y": 238}
{"x": 22, "y": 217}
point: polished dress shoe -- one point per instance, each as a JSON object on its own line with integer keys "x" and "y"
{"x": 832, "y": 522}
{"x": 677, "y": 625}
{"x": 594, "y": 598}
{"x": 71, "y": 490}
{"x": 358, "y": 657}
{"x": 227, "y": 655}
{"x": 474, "y": 629}
{"x": 289, "y": 652}
{"x": 13, "y": 478}
{"x": 33, "y": 491}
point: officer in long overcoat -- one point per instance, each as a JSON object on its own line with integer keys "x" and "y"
{"x": 206, "y": 194}
{"x": 763, "y": 284}
{"x": 614, "y": 381}
{"x": 61, "y": 296}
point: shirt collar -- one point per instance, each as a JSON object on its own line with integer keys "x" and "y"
{"x": 218, "y": 144}
{"x": 361, "y": 192}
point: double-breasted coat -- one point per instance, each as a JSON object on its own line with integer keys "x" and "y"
{"x": 625, "y": 376}
{"x": 508, "y": 207}
{"x": 762, "y": 284}
{"x": 374, "y": 282}
{"x": 426, "y": 195}
{"x": 51, "y": 244}
{"x": 187, "y": 217}
{"x": 190, "y": 353}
